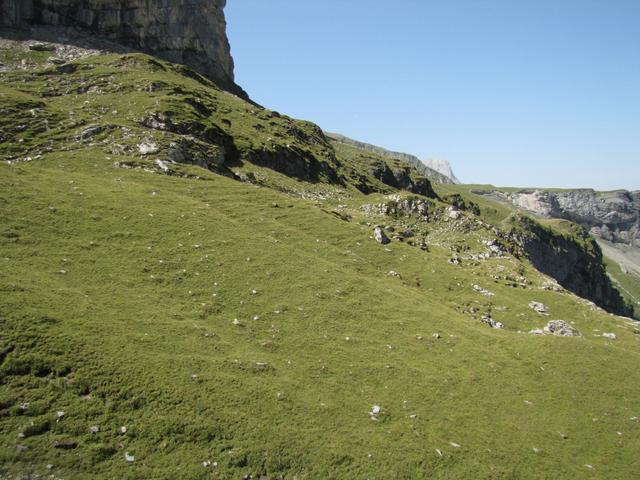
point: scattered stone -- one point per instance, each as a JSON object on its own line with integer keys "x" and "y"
{"x": 380, "y": 236}
{"x": 129, "y": 458}
{"x": 590, "y": 467}
{"x": 436, "y": 336}
{"x": 536, "y": 450}
{"x": 375, "y": 412}
{"x": 486, "y": 318}
{"x": 21, "y": 448}
{"x": 94, "y": 429}
{"x": 561, "y": 328}
{"x": 439, "y": 452}
{"x": 60, "y": 413}
{"x": 564, "y": 436}
{"x": 611, "y": 336}
{"x": 66, "y": 444}
{"x": 483, "y": 291}
{"x": 393, "y": 273}
{"x": 123, "y": 429}
{"x": 540, "y": 308}
{"x": 537, "y": 331}
{"x": 454, "y": 444}
{"x": 237, "y": 322}
{"x": 206, "y": 463}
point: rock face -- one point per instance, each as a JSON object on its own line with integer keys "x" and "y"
{"x": 443, "y": 167}
{"x": 613, "y": 216}
{"x": 574, "y": 261}
{"x": 190, "y": 32}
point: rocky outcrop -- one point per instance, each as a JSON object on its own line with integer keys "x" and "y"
{"x": 402, "y": 178}
{"x": 613, "y": 216}
{"x": 190, "y": 32}
{"x": 574, "y": 260}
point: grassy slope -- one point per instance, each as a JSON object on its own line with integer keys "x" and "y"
{"x": 128, "y": 322}
{"x": 118, "y": 291}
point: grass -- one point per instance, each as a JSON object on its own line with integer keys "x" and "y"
{"x": 116, "y": 340}
{"x": 119, "y": 291}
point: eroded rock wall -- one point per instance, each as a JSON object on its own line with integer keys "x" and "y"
{"x": 575, "y": 261}
{"x": 190, "y": 32}
{"x": 614, "y": 216}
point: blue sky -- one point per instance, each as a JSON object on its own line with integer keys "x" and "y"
{"x": 511, "y": 92}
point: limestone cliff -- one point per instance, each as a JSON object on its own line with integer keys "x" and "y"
{"x": 613, "y": 216}
{"x": 190, "y": 32}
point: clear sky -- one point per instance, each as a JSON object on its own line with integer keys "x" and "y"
{"x": 511, "y": 92}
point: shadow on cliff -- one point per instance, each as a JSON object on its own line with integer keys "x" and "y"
{"x": 78, "y": 41}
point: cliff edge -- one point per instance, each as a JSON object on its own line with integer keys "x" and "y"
{"x": 190, "y": 32}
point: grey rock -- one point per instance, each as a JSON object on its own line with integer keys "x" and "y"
{"x": 191, "y": 32}
{"x": 540, "y": 308}
{"x": 380, "y": 236}
{"x": 487, "y": 319}
{"x": 612, "y": 216}
{"x": 561, "y": 328}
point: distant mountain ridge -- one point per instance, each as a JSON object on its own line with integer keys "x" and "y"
{"x": 438, "y": 171}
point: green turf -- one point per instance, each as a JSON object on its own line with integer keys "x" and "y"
{"x": 120, "y": 290}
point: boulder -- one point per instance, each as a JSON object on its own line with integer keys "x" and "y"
{"x": 541, "y": 308}
{"x": 380, "y": 236}
{"x": 561, "y": 328}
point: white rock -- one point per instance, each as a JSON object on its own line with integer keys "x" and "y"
{"x": 162, "y": 165}
{"x": 380, "y": 236}
{"x": 454, "y": 444}
{"x": 129, "y": 458}
{"x": 147, "y": 147}
{"x": 611, "y": 336}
